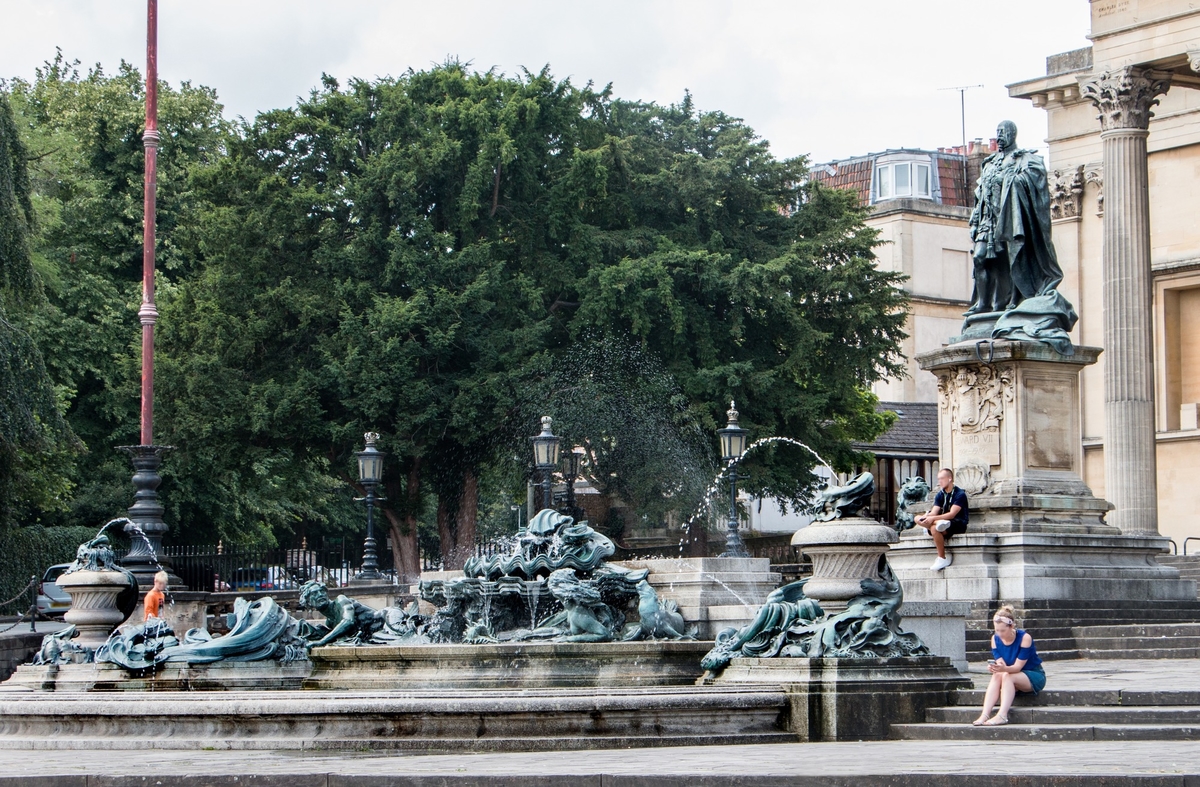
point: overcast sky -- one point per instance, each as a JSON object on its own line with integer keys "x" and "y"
{"x": 826, "y": 79}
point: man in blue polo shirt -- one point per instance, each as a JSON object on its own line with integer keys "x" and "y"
{"x": 948, "y": 517}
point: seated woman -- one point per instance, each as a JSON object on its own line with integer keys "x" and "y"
{"x": 1017, "y": 667}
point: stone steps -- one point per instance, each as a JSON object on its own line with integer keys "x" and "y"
{"x": 1046, "y": 732}
{"x": 469, "y": 720}
{"x": 431, "y": 745}
{"x": 1105, "y": 630}
{"x": 1067, "y": 715}
{"x": 1188, "y": 565}
{"x": 1077, "y": 715}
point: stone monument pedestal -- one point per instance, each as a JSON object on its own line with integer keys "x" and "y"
{"x": 1009, "y": 427}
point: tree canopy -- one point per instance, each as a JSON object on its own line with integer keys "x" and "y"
{"x": 31, "y": 426}
{"x": 443, "y": 257}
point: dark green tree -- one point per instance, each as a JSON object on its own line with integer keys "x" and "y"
{"x": 32, "y": 431}
{"x": 413, "y": 255}
{"x": 84, "y": 137}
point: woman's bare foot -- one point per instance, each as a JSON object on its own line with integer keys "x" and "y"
{"x": 980, "y": 721}
{"x": 996, "y": 721}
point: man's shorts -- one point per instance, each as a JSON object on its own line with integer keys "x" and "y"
{"x": 956, "y": 526}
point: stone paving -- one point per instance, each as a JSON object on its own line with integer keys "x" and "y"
{"x": 767, "y": 764}
{"x": 1145, "y": 763}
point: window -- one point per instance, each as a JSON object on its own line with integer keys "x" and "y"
{"x": 1180, "y": 350}
{"x": 922, "y": 179}
{"x": 902, "y": 179}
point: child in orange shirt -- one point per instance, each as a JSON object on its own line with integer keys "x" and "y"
{"x": 154, "y": 599}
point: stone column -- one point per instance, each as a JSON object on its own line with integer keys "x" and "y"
{"x": 1124, "y": 98}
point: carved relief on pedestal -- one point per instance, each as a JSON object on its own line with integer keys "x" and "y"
{"x": 973, "y": 478}
{"x": 1066, "y": 193}
{"x": 1094, "y": 174}
{"x": 975, "y": 398}
{"x": 978, "y": 397}
{"x": 1125, "y": 96}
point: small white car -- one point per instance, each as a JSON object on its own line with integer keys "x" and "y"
{"x": 52, "y": 599}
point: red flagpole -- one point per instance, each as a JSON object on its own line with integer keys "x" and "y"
{"x": 148, "y": 314}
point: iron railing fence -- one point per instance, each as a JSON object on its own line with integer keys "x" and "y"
{"x": 218, "y": 568}
{"x": 431, "y": 558}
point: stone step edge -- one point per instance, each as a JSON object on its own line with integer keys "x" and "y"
{"x": 944, "y": 730}
{"x": 442, "y": 745}
{"x": 968, "y": 712}
{"x": 1089, "y": 698}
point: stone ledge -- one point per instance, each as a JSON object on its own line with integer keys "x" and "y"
{"x": 1001, "y": 351}
{"x": 509, "y": 665}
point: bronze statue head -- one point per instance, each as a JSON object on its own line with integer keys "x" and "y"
{"x": 1006, "y": 135}
{"x": 313, "y": 595}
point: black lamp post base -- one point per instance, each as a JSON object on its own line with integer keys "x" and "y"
{"x": 734, "y": 546}
{"x": 146, "y": 526}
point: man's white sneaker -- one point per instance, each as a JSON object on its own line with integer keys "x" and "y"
{"x": 942, "y": 526}
{"x": 941, "y": 563}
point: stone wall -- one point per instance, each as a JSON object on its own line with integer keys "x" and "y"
{"x": 18, "y": 647}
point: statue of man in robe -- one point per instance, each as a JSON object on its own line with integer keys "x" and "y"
{"x": 1016, "y": 270}
{"x": 1010, "y": 225}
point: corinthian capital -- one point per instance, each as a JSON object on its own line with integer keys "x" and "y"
{"x": 1125, "y": 96}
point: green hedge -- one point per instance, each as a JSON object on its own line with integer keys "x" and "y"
{"x": 29, "y": 551}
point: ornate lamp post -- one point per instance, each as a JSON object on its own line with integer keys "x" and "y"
{"x": 146, "y": 527}
{"x": 733, "y": 445}
{"x": 545, "y": 457}
{"x": 572, "y": 462}
{"x": 370, "y": 470}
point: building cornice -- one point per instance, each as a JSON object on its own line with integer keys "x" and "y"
{"x": 1165, "y": 267}
{"x": 920, "y": 207}
{"x": 1056, "y": 89}
{"x": 935, "y": 301}
{"x": 1141, "y": 24}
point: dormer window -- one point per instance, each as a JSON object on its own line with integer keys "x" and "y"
{"x": 902, "y": 179}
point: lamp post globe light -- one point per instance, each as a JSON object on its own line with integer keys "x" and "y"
{"x": 370, "y": 471}
{"x": 545, "y": 457}
{"x": 733, "y": 445}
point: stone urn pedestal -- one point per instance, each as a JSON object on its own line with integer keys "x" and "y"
{"x": 94, "y": 610}
{"x": 1009, "y": 427}
{"x": 844, "y": 552}
{"x": 856, "y": 695}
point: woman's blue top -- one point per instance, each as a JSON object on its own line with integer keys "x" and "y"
{"x": 1014, "y": 652}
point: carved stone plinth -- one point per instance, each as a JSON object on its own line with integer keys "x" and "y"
{"x": 844, "y": 552}
{"x": 1008, "y": 426}
{"x": 851, "y": 699}
{"x": 94, "y": 609}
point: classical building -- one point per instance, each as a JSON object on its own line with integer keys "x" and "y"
{"x": 1124, "y": 156}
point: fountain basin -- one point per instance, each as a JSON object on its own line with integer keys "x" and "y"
{"x": 107, "y": 677}
{"x": 405, "y": 720}
{"x": 509, "y": 665}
